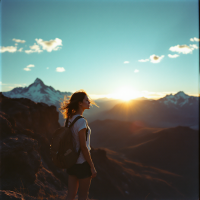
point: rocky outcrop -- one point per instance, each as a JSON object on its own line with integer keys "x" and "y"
{"x": 26, "y": 167}
{"x": 37, "y": 117}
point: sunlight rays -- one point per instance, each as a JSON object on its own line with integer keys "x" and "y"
{"x": 125, "y": 93}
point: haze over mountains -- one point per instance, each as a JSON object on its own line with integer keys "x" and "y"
{"x": 169, "y": 111}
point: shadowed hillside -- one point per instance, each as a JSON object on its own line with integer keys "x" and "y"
{"x": 174, "y": 150}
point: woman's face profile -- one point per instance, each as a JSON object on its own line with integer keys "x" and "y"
{"x": 86, "y": 103}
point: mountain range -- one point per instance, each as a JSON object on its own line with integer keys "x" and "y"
{"x": 171, "y": 110}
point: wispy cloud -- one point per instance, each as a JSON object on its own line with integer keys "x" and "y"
{"x": 173, "y": 56}
{"x": 18, "y": 40}
{"x": 60, "y": 69}
{"x": 143, "y": 60}
{"x": 185, "y": 49}
{"x": 126, "y": 62}
{"x": 33, "y": 49}
{"x": 194, "y": 39}
{"x": 194, "y": 46}
{"x": 20, "y": 50}
{"x": 51, "y": 45}
{"x": 10, "y": 49}
{"x": 136, "y": 70}
{"x": 27, "y": 68}
{"x": 31, "y": 65}
{"x": 156, "y": 59}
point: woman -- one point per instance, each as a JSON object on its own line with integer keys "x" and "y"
{"x": 80, "y": 174}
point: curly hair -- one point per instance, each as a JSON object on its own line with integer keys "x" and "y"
{"x": 69, "y": 105}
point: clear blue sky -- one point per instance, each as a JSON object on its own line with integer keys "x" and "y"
{"x": 94, "y": 39}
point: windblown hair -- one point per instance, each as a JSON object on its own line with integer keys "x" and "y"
{"x": 70, "y": 104}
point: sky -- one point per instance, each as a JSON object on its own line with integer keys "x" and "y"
{"x": 108, "y": 48}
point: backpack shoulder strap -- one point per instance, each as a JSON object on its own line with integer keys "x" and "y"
{"x": 78, "y": 117}
{"x": 87, "y": 128}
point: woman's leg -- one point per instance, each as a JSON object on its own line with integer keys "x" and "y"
{"x": 84, "y": 185}
{"x": 72, "y": 187}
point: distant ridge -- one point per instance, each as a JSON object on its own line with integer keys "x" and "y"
{"x": 38, "y": 92}
{"x": 171, "y": 110}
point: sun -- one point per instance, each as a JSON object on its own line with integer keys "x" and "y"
{"x": 125, "y": 93}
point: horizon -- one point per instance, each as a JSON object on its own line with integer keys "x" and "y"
{"x": 135, "y": 49}
{"x": 102, "y": 96}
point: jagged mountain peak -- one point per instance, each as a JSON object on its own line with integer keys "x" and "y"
{"x": 177, "y": 95}
{"x": 181, "y": 94}
{"x": 38, "y": 92}
{"x": 38, "y": 81}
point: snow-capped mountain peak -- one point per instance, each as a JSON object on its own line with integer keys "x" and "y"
{"x": 181, "y": 94}
{"x": 179, "y": 99}
{"x": 38, "y": 92}
{"x": 38, "y": 81}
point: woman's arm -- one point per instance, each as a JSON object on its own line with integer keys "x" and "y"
{"x": 85, "y": 151}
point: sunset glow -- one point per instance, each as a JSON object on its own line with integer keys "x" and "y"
{"x": 125, "y": 93}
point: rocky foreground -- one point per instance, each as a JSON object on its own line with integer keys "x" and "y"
{"x": 27, "y": 171}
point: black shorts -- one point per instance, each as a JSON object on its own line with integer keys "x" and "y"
{"x": 80, "y": 170}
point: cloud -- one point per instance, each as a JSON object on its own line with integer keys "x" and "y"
{"x": 173, "y": 56}
{"x": 185, "y": 49}
{"x": 33, "y": 49}
{"x": 50, "y": 45}
{"x": 27, "y": 68}
{"x": 31, "y": 65}
{"x": 194, "y": 46}
{"x": 143, "y": 60}
{"x": 18, "y": 40}
{"x": 10, "y": 49}
{"x": 194, "y": 39}
{"x": 60, "y": 69}
{"x": 136, "y": 70}
{"x": 156, "y": 59}
{"x": 20, "y": 50}
{"x": 126, "y": 62}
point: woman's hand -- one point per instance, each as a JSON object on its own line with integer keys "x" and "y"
{"x": 94, "y": 172}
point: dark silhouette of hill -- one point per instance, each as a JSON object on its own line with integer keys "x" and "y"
{"x": 27, "y": 171}
{"x": 117, "y": 133}
{"x": 174, "y": 150}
